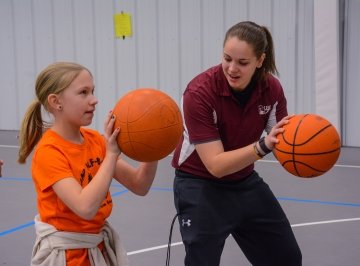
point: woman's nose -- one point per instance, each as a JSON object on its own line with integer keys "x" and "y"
{"x": 232, "y": 67}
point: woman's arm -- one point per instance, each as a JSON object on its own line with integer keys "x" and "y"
{"x": 220, "y": 163}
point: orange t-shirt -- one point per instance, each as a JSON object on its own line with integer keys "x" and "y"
{"x": 54, "y": 159}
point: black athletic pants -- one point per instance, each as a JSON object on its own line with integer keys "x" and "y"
{"x": 209, "y": 211}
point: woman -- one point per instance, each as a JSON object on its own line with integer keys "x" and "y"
{"x": 1, "y": 164}
{"x": 217, "y": 192}
{"x": 72, "y": 169}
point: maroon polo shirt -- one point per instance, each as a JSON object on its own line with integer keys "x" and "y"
{"x": 211, "y": 113}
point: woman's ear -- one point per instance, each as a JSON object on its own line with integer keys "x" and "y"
{"x": 261, "y": 60}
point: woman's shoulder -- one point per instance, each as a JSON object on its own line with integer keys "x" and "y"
{"x": 206, "y": 76}
{"x": 273, "y": 81}
{"x": 208, "y": 82}
{"x": 271, "y": 89}
{"x": 271, "y": 85}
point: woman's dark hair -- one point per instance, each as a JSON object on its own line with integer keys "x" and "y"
{"x": 261, "y": 40}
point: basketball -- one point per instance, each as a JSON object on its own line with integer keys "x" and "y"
{"x": 309, "y": 146}
{"x": 150, "y": 124}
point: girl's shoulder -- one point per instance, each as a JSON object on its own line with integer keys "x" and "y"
{"x": 92, "y": 136}
{"x": 91, "y": 133}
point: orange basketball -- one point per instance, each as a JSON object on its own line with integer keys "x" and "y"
{"x": 150, "y": 124}
{"x": 309, "y": 146}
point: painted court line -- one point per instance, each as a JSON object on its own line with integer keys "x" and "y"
{"x": 294, "y": 225}
{"x": 262, "y": 160}
{"x": 336, "y": 165}
{"x": 327, "y": 222}
{"x": 123, "y": 191}
{"x": 17, "y": 228}
{"x": 151, "y": 249}
{"x": 320, "y": 202}
{"x": 9, "y": 146}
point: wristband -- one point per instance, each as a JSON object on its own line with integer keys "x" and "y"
{"x": 256, "y": 151}
{"x": 263, "y": 146}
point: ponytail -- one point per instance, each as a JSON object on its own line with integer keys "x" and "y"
{"x": 52, "y": 80}
{"x": 269, "y": 61}
{"x": 31, "y": 131}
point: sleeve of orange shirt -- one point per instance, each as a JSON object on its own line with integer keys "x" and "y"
{"x": 49, "y": 166}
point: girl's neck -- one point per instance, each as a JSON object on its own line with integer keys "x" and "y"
{"x": 69, "y": 134}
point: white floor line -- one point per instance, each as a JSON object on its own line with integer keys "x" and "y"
{"x": 262, "y": 160}
{"x": 294, "y": 225}
{"x": 327, "y": 222}
{"x": 153, "y": 248}
{"x": 9, "y": 146}
{"x": 336, "y": 165}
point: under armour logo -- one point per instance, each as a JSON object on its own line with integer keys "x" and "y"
{"x": 188, "y": 222}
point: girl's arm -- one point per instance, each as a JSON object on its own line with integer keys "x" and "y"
{"x": 137, "y": 179}
{"x": 85, "y": 202}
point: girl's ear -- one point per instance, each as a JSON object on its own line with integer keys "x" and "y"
{"x": 53, "y": 101}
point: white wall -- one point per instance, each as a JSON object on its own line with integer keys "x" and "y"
{"x": 172, "y": 41}
{"x": 351, "y": 78}
{"x": 327, "y": 60}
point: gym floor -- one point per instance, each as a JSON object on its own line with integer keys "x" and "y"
{"x": 324, "y": 213}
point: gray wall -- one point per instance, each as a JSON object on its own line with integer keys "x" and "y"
{"x": 351, "y": 74}
{"x": 172, "y": 41}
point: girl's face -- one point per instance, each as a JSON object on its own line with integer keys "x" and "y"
{"x": 239, "y": 62}
{"x": 78, "y": 101}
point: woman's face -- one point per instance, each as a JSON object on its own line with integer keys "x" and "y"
{"x": 239, "y": 62}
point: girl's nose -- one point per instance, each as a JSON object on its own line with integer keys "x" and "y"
{"x": 94, "y": 100}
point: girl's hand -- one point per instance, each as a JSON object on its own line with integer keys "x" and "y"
{"x": 270, "y": 139}
{"x": 111, "y": 134}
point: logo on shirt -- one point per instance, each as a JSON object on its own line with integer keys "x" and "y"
{"x": 214, "y": 117}
{"x": 263, "y": 110}
{"x": 86, "y": 172}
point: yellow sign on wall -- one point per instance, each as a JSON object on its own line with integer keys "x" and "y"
{"x": 122, "y": 25}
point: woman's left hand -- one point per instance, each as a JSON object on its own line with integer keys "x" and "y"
{"x": 270, "y": 139}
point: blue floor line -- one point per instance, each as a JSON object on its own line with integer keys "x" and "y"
{"x": 115, "y": 194}
{"x": 17, "y": 228}
{"x": 119, "y": 193}
{"x": 23, "y": 226}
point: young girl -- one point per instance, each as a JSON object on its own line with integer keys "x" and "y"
{"x": 72, "y": 169}
{"x": 217, "y": 191}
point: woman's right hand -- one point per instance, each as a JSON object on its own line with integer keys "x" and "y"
{"x": 111, "y": 134}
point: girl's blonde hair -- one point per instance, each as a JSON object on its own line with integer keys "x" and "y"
{"x": 52, "y": 80}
